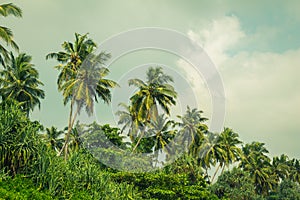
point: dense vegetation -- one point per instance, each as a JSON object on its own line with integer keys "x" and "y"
{"x": 38, "y": 162}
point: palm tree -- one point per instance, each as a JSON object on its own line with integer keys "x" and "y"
{"x": 71, "y": 58}
{"x": 162, "y": 132}
{"x": 192, "y": 129}
{"x": 208, "y": 152}
{"x": 81, "y": 83}
{"x": 280, "y": 167}
{"x": 229, "y": 141}
{"x": 6, "y": 34}
{"x": 156, "y": 90}
{"x": 227, "y": 149}
{"x": 294, "y": 173}
{"x": 53, "y": 137}
{"x": 257, "y": 163}
{"x": 129, "y": 120}
{"x": 19, "y": 81}
{"x": 75, "y": 139}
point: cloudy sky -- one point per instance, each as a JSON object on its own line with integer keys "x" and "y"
{"x": 254, "y": 45}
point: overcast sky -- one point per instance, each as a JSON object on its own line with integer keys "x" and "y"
{"x": 254, "y": 45}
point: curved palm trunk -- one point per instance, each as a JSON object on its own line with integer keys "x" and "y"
{"x": 138, "y": 142}
{"x": 212, "y": 179}
{"x": 70, "y": 126}
{"x": 223, "y": 168}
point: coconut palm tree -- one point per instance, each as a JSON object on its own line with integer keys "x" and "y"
{"x": 227, "y": 150}
{"x": 129, "y": 121}
{"x": 192, "y": 129}
{"x": 208, "y": 152}
{"x": 156, "y": 90}
{"x": 81, "y": 78}
{"x": 19, "y": 81}
{"x": 229, "y": 141}
{"x": 54, "y": 138}
{"x": 280, "y": 167}
{"x": 294, "y": 172}
{"x": 162, "y": 131}
{"x": 6, "y": 34}
{"x": 257, "y": 163}
{"x": 71, "y": 58}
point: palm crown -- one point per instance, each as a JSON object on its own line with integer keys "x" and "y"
{"x": 6, "y": 34}
{"x": 19, "y": 81}
{"x": 155, "y": 90}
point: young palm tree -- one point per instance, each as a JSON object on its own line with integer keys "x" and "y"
{"x": 6, "y": 34}
{"x": 81, "y": 83}
{"x": 19, "y": 81}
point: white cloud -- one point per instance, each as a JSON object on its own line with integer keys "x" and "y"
{"x": 218, "y": 37}
{"x": 262, "y": 88}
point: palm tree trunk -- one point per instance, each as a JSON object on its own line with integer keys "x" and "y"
{"x": 69, "y": 124}
{"x": 216, "y": 172}
{"x": 138, "y": 142}
{"x": 223, "y": 169}
{"x": 69, "y": 132}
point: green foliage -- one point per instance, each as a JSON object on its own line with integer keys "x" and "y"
{"x": 256, "y": 161}
{"x": 6, "y": 34}
{"x": 287, "y": 190}
{"x": 80, "y": 177}
{"x": 235, "y": 184}
{"x": 161, "y": 185}
{"x": 19, "y": 81}
{"x": 21, "y": 188}
{"x": 19, "y": 139}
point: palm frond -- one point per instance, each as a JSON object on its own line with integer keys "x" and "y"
{"x": 10, "y": 9}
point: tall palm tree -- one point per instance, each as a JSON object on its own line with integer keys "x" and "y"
{"x": 81, "y": 78}
{"x": 19, "y": 81}
{"x": 71, "y": 58}
{"x": 6, "y": 34}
